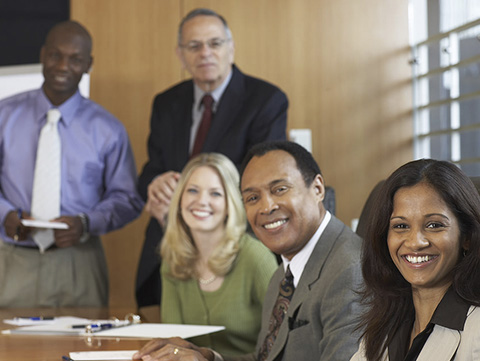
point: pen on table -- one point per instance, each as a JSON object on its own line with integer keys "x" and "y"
{"x": 66, "y": 358}
{"x": 36, "y": 318}
{"x": 97, "y": 326}
{"x": 17, "y": 232}
{"x": 80, "y": 326}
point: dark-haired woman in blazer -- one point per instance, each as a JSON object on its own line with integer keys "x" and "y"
{"x": 421, "y": 265}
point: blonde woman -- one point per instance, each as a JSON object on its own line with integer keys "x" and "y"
{"x": 213, "y": 272}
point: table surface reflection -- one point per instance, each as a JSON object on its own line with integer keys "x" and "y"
{"x": 52, "y": 348}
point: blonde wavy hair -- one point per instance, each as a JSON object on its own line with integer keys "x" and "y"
{"x": 177, "y": 247}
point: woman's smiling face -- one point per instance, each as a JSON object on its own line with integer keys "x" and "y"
{"x": 423, "y": 237}
{"x": 203, "y": 203}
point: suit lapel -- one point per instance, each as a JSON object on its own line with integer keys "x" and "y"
{"x": 441, "y": 345}
{"x": 231, "y": 103}
{"x": 310, "y": 275}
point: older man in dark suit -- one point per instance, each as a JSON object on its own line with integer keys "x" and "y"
{"x": 219, "y": 110}
{"x": 311, "y": 306}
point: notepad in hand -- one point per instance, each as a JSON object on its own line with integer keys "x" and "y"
{"x": 35, "y": 223}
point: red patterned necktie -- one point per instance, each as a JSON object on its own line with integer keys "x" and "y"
{"x": 207, "y": 102}
{"x": 278, "y": 313}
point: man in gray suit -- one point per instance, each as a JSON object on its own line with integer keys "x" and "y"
{"x": 282, "y": 189}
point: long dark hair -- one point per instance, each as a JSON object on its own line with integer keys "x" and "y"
{"x": 387, "y": 294}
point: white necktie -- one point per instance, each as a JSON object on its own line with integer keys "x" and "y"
{"x": 46, "y": 179}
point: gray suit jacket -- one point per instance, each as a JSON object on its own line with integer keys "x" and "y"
{"x": 445, "y": 344}
{"x": 321, "y": 318}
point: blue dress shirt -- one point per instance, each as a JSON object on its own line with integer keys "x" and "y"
{"x": 98, "y": 175}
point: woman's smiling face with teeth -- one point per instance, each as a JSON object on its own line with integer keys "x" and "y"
{"x": 203, "y": 203}
{"x": 423, "y": 237}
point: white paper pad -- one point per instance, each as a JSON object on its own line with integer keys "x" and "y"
{"x": 27, "y": 321}
{"x": 63, "y": 326}
{"x": 101, "y": 355}
{"x": 43, "y": 224}
{"x": 60, "y": 326}
{"x": 154, "y": 330}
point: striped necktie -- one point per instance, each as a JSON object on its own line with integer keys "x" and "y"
{"x": 278, "y": 313}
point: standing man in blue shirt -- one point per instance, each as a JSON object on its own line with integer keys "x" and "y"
{"x": 97, "y": 183}
{"x": 246, "y": 111}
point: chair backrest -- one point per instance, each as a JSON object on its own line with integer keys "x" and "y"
{"x": 476, "y": 182}
{"x": 367, "y": 208}
{"x": 329, "y": 200}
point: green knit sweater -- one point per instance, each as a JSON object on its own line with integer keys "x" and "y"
{"x": 237, "y": 304}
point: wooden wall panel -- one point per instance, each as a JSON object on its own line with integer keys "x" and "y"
{"x": 134, "y": 58}
{"x": 342, "y": 63}
{"x": 344, "y": 66}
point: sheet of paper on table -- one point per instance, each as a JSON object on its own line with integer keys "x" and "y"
{"x": 63, "y": 326}
{"x": 58, "y": 326}
{"x": 29, "y": 321}
{"x": 155, "y": 330}
{"x": 101, "y": 355}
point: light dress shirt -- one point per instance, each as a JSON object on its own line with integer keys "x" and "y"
{"x": 299, "y": 261}
{"x": 197, "y": 109}
{"x": 98, "y": 173}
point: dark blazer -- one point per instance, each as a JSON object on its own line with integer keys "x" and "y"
{"x": 250, "y": 111}
{"x": 445, "y": 344}
{"x": 321, "y": 318}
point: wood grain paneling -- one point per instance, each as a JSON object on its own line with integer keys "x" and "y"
{"x": 134, "y": 58}
{"x": 342, "y": 63}
{"x": 344, "y": 66}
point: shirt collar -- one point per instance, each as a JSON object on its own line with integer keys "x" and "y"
{"x": 42, "y": 106}
{"x": 451, "y": 312}
{"x": 299, "y": 261}
{"x": 217, "y": 93}
{"x": 68, "y": 108}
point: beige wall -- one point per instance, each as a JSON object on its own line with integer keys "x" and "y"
{"x": 342, "y": 63}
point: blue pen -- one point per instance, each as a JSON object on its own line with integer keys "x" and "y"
{"x": 66, "y": 358}
{"x": 36, "y": 318}
{"x": 41, "y": 318}
{"x": 96, "y": 326}
{"x": 102, "y": 326}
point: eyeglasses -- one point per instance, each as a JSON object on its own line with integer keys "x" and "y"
{"x": 196, "y": 46}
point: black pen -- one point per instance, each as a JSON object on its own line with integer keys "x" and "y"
{"x": 80, "y": 326}
{"x": 35, "y": 318}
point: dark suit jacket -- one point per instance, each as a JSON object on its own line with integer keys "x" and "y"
{"x": 446, "y": 344}
{"x": 321, "y": 318}
{"x": 250, "y": 111}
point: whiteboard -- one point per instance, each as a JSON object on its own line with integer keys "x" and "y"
{"x": 19, "y": 78}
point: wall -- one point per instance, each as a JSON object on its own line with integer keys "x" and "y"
{"x": 342, "y": 63}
